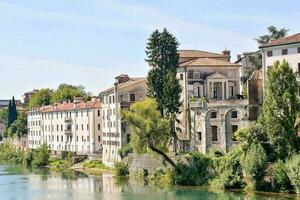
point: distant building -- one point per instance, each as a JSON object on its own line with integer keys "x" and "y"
{"x": 286, "y": 48}
{"x": 125, "y": 91}
{"x": 4, "y": 103}
{"x": 28, "y": 95}
{"x": 213, "y": 108}
{"x": 247, "y": 66}
{"x": 3, "y": 125}
{"x": 72, "y": 127}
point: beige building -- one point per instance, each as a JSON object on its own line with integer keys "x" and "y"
{"x": 125, "y": 91}
{"x": 287, "y": 48}
{"x": 212, "y": 108}
{"x": 3, "y": 125}
{"x": 72, "y": 127}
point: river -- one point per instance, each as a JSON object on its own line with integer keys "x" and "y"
{"x": 18, "y": 182}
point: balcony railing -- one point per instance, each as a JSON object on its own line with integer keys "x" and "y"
{"x": 215, "y": 103}
{"x": 68, "y": 119}
{"x": 68, "y": 132}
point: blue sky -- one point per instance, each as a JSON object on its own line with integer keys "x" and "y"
{"x": 88, "y": 42}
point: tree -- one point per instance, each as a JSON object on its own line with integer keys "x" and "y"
{"x": 12, "y": 112}
{"x": 280, "y": 109}
{"x": 41, "y": 156}
{"x": 18, "y": 127}
{"x": 163, "y": 85}
{"x": 67, "y": 92}
{"x": 149, "y": 128}
{"x": 4, "y": 114}
{"x": 273, "y": 34}
{"x": 40, "y": 98}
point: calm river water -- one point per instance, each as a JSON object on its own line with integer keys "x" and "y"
{"x": 17, "y": 182}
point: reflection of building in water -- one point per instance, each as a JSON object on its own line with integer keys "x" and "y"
{"x": 109, "y": 184}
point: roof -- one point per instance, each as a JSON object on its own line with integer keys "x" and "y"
{"x": 71, "y": 106}
{"x": 285, "y": 40}
{"x": 199, "y": 54}
{"x": 131, "y": 81}
{"x": 207, "y": 62}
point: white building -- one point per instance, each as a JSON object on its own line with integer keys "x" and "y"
{"x": 126, "y": 90}
{"x": 72, "y": 127}
{"x": 287, "y": 48}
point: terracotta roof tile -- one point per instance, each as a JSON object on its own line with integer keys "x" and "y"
{"x": 285, "y": 40}
{"x": 207, "y": 62}
{"x": 71, "y": 106}
{"x": 198, "y": 54}
{"x": 130, "y": 82}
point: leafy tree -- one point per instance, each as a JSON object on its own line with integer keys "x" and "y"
{"x": 280, "y": 110}
{"x": 67, "y": 92}
{"x": 163, "y": 85}
{"x": 18, "y": 127}
{"x": 40, "y": 98}
{"x": 281, "y": 180}
{"x": 254, "y": 165}
{"x": 41, "y": 156}
{"x": 4, "y": 114}
{"x": 293, "y": 171}
{"x": 273, "y": 34}
{"x": 149, "y": 128}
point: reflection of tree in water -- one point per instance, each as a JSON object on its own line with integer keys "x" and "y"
{"x": 72, "y": 175}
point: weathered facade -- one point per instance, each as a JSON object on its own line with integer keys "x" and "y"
{"x": 212, "y": 108}
{"x": 116, "y": 133}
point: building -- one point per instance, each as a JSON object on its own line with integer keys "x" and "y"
{"x": 286, "y": 48}
{"x": 4, "y": 103}
{"x": 3, "y": 125}
{"x": 28, "y": 95}
{"x": 125, "y": 91}
{"x": 247, "y": 66}
{"x": 72, "y": 127}
{"x": 212, "y": 108}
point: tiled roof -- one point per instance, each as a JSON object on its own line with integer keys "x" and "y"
{"x": 199, "y": 54}
{"x": 71, "y": 106}
{"x": 285, "y": 40}
{"x": 130, "y": 82}
{"x": 207, "y": 62}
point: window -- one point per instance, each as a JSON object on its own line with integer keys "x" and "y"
{"x": 269, "y": 53}
{"x": 98, "y": 127}
{"x": 57, "y": 127}
{"x": 98, "y": 113}
{"x": 298, "y": 49}
{"x": 113, "y": 99}
{"x": 199, "y": 134}
{"x": 181, "y": 77}
{"x": 82, "y": 127}
{"x": 234, "y": 128}
{"x": 284, "y": 51}
{"x": 132, "y": 97}
{"x": 61, "y": 127}
{"x": 109, "y": 99}
{"x": 87, "y": 127}
{"x": 196, "y": 75}
{"x": 233, "y": 114}
{"x": 214, "y": 133}
{"x": 76, "y": 127}
{"x": 213, "y": 115}
{"x": 99, "y": 139}
{"x": 298, "y": 68}
{"x": 62, "y": 138}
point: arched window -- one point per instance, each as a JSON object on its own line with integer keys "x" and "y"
{"x": 214, "y": 133}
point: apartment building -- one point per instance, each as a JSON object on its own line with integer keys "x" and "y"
{"x": 212, "y": 108}
{"x": 286, "y": 48}
{"x": 125, "y": 91}
{"x": 72, "y": 127}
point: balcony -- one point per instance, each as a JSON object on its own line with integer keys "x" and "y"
{"x": 126, "y": 104}
{"x": 217, "y": 103}
{"x": 68, "y": 119}
{"x": 68, "y": 132}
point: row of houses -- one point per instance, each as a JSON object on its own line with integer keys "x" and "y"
{"x": 213, "y": 106}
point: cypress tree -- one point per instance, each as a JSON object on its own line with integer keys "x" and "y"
{"x": 14, "y": 109}
{"x": 9, "y": 114}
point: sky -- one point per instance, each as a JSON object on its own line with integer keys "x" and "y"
{"x": 89, "y": 42}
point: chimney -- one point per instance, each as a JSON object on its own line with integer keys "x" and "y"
{"x": 122, "y": 78}
{"x": 226, "y": 53}
{"x": 238, "y": 57}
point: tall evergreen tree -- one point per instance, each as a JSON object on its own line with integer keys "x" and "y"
{"x": 280, "y": 110}
{"x": 9, "y": 114}
{"x": 14, "y": 109}
{"x": 163, "y": 85}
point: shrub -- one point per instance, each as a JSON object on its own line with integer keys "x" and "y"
{"x": 195, "y": 172}
{"x": 162, "y": 177}
{"x": 125, "y": 150}
{"x": 41, "y": 156}
{"x": 254, "y": 164}
{"x": 122, "y": 168}
{"x": 293, "y": 172}
{"x": 94, "y": 164}
{"x": 281, "y": 180}
{"x": 228, "y": 171}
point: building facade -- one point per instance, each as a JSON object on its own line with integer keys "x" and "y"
{"x": 213, "y": 108}
{"x": 287, "y": 48}
{"x": 28, "y": 95}
{"x": 3, "y": 125}
{"x": 72, "y": 127}
{"x": 116, "y": 133}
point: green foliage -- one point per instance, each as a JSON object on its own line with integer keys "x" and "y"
{"x": 254, "y": 164}
{"x": 125, "y": 150}
{"x": 122, "y": 168}
{"x": 228, "y": 170}
{"x": 41, "y": 156}
{"x": 162, "y": 177}
{"x": 40, "y": 98}
{"x": 280, "y": 110}
{"x": 273, "y": 33}
{"x": 60, "y": 164}
{"x": 18, "y": 127}
{"x": 3, "y": 114}
{"x": 12, "y": 113}
{"x": 195, "y": 171}
{"x": 293, "y": 171}
{"x": 281, "y": 180}
{"x": 67, "y": 92}
{"x": 94, "y": 164}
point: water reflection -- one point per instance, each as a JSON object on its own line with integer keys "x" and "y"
{"x": 17, "y": 182}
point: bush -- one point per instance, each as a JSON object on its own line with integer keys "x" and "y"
{"x": 162, "y": 177}
{"x": 122, "y": 168}
{"x": 281, "y": 180}
{"x": 293, "y": 172}
{"x": 94, "y": 164}
{"x": 195, "y": 172}
{"x": 254, "y": 164}
{"x": 228, "y": 171}
{"x": 125, "y": 150}
{"x": 60, "y": 164}
{"x": 41, "y": 156}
